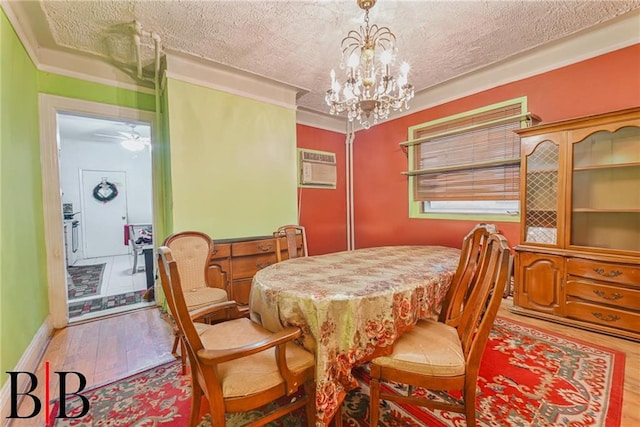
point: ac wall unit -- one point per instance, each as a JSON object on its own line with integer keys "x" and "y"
{"x": 317, "y": 168}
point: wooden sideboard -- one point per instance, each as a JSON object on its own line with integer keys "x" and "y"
{"x": 234, "y": 262}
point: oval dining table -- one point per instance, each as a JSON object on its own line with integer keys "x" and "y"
{"x": 351, "y": 306}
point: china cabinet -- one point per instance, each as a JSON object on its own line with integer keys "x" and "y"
{"x": 579, "y": 257}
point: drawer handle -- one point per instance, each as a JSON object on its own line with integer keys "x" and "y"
{"x": 602, "y": 294}
{"x": 215, "y": 251}
{"x": 607, "y": 317}
{"x": 261, "y": 265}
{"x": 612, "y": 273}
{"x": 265, "y": 248}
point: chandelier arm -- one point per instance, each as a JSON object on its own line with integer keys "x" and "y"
{"x": 379, "y": 32}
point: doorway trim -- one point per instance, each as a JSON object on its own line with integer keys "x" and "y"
{"x": 49, "y": 107}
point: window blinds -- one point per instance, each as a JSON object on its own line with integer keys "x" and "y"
{"x": 475, "y": 157}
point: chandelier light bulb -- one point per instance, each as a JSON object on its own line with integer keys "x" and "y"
{"x": 386, "y": 57}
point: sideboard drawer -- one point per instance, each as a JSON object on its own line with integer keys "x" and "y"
{"x": 602, "y": 315}
{"x": 617, "y": 273}
{"x": 246, "y": 267}
{"x": 221, "y": 250}
{"x": 253, "y": 247}
{"x": 603, "y": 293}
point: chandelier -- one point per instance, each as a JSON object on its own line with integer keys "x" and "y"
{"x": 369, "y": 91}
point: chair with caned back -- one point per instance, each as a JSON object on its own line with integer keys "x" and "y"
{"x": 438, "y": 356}
{"x": 291, "y": 235}
{"x": 192, "y": 251}
{"x": 237, "y": 365}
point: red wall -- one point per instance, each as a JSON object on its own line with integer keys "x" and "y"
{"x": 605, "y": 83}
{"x": 323, "y": 212}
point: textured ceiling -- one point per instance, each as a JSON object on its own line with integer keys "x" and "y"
{"x": 297, "y": 42}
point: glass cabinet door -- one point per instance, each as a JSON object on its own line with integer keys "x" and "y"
{"x": 541, "y": 198}
{"x": 605, "y": 211}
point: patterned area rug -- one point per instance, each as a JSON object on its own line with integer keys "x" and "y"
{"x": 86, "y": 280}
{"x": 98, "y": 304}
{"x": 529, "y": 377}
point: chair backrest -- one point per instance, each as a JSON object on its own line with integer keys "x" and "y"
{"x": 473, "y": 247}
{"x": 483, "y": 303}
{"x": 140, "y": 235}
{"x": 192, "y": 250}
{"x": 174, "y": 293}
{"x": 291, "y": 233}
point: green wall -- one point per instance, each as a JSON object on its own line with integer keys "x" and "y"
{"x": 24, "y": 301}
{"x": 23, "y": 286}
{"x": 224, "y": 175}
{"x": 55, "y": 84}
{"x": 233, "y": 170}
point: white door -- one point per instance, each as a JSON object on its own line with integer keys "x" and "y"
{"x": 103, "y": 212}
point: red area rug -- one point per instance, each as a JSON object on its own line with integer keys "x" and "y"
{"x": 529, "y": 377}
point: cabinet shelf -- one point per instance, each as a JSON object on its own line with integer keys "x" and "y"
{"x": 607, "y": 166}
{"x": 589, "y": 210}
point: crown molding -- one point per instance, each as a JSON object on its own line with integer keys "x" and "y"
{"x": 604, "y": 38}
{"x": 89, "y": 69}
{"x": 209, "y": 74}
{"x": 25, "y": 34}
{"x": 322, "y": 121}
{"x": 66, "y": 62}
{"x": 595, "y": 41}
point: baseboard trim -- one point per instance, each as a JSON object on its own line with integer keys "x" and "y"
{"x": 28, "y": 362}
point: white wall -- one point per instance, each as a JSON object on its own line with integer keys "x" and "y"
{"x": 77, "y": 155}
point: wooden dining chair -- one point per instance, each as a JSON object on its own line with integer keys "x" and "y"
{"x": 438, "y": 356}
{"x": 291, "y": 234}
{"x": 192, "y": 251}
{"x": 238, "y": 365}
{"x": 474, "y": 245}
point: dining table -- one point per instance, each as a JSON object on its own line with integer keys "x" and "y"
{"x": 351, "y": 306}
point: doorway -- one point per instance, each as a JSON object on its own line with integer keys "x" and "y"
{"x": 82, "y": 143}
{"x": 97, "y": 167}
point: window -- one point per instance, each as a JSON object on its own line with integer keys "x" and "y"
{"x": 468, "y": 165}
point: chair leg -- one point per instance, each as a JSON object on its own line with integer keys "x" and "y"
{"x": 337, "y": 418}
{"x": 310, "y": 392}
{"x": 135, "y": 262}
{"x": 374, "y": 402}
{"x": 174, "y": 350}
{"x": 183, "y": 357}
{"x": 470, "y": 405}
{"x": 196, "y": 400}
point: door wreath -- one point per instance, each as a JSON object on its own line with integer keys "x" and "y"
{"x": 105, "y": 191}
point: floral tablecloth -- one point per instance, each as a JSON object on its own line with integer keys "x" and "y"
{"x": 351, "y": 306}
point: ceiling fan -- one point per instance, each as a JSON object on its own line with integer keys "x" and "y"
{"x": 132, "y": 140}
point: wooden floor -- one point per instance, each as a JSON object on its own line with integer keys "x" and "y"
{"x": 112, "y": 348}
{"x": 103, "y": 350}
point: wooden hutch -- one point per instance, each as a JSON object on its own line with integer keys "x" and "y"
{"x": 579, "y": 260}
